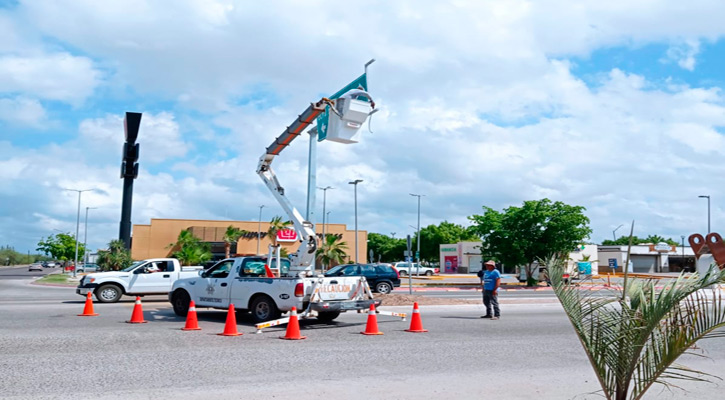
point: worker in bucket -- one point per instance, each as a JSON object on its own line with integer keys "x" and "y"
{"x": 358, "y": 94}
{"x": 491, "y": 283}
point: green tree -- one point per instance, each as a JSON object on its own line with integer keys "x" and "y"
{"x": 190, "y": 250}
{"x": 276, "y": 225}
{"x": 117, "y": 256}
{"x": 432, "y": 236}
{"x": 332, "y": 251}
{"x": 519, "y": 236}
{"x": 633, "y": 338}
{"x": 232, "y": 235}
{"x": 624, "y": 240}
{"x": 61, "y": 247}
{"x": 386, "y": 248}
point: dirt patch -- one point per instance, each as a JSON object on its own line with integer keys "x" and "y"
{"x": 395, "y": 299}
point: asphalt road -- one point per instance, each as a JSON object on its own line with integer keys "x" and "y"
{"x": 22, "y": 272}
{"x": 532, "y": 352}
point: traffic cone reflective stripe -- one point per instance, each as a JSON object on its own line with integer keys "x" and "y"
{"x": 192, "y": 324}
{"x": 137, "y": 315}
{"x": 88, "y": 309}
{"x": 372, "y": 326}
{"x": 416, "y": 324}
{"x": 230, "y": 328}
{"x": 293, "y": 327}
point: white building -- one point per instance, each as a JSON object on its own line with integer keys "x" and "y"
{"x": 647, "y": 258}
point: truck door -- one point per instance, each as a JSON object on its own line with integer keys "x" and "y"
{"x": 214, "y": 289}
{"x": 152, "y": 277}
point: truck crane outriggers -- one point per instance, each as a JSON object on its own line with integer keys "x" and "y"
{"x": 348, "y": 113}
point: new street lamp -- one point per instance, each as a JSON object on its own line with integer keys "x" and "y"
{"x": 354, "y": 183}
{"x": 417, "y": 253}
{"x": 324, "y": 201}
{"x": 259, "y": 228}
{"x": 78, "y": 224}
{"x": 85, "y": 236}
{"x": 708, "y": 210}
{"x": 614, "y": 232}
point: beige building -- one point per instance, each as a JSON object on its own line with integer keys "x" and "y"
{"x": 154, "y": 240}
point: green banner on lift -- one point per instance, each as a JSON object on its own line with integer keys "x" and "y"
{"x": 322, "y": 120}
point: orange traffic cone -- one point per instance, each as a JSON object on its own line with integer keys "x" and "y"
{"x": 416, "y": 324}
{"x": 192, "y": 324}
{"x": 88, "y": 309}
{"x": 293, "y": 327}
{"x": 137, "y": 315}
{"x": 230, "y": 328}
{"x": 268, "y": 271}
{"x": 372, "y": 326}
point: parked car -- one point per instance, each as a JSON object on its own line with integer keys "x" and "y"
{"x": 35, "y": 267}
{"x": 88, "y": 268}
{"x": 50, "y": 264}
{"x": 405, "y": 268}
{"x": 382, "y": 278}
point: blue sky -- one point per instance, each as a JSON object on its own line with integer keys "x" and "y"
{"x": 617, "y": 108}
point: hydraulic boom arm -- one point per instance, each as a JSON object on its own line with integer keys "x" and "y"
{"x": 301, "y": 260}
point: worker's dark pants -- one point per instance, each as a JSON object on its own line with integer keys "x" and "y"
{"x": 490, "y": 299}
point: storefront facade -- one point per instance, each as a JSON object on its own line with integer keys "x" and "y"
{"x": 155, "y": 239}
{"x": 648, "y": 258}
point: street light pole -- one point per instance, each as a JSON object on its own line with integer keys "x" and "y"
{"x": 78, "y": 224}
{"x": 417, "y": 253}
{"x": 259, "y": 228}
{"x": 85, "y": 236}
{"x": 324, "y": 204}
{"x": 354, "y": 183}
{"x": 614, "y": 232}
{"x": 683, "y": 252}
{"x": 708, "y": 210}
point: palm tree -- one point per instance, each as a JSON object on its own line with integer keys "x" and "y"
{"x": 332, "y": 251}
{"x": 232, "y": 235}
{"x": 633, "y": 338}
{"x": 193, "y": 254}
{"x": 276, "y": 225}
{"x": 115, "y": 258}
{"x": 185, "y": 237}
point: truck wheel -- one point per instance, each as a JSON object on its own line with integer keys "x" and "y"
{"x": 428, "y": 273}
{"x": 383, "y": 288}
{"x": 264, "y": 309}
{"x": 327, "y": 317}
{"x": 180, "y": 301}
{"x": 108, "y": 293}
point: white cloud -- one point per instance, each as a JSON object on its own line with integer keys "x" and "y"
{"x": 22, "y": 111}
{"x": 684, "y": 54}
{"x": 58, "y": 76}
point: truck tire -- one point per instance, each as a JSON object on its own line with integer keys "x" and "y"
{"x": 328, "y": 316}
{"x": 428, "y": 273}
{"x": 402, "y": 273}
{"x": 263, "y": 309}
{"x": 180, "y": 301}
{"x": 383, "y": 287}
{"x": 108, "y": 293}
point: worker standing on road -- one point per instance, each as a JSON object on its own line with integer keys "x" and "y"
{"x": 491, "y": 283}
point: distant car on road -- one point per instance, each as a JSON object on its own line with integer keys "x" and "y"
{"x": 50, "y": 264}
{"x": 405, "y": 268}
{"x": 88, "y": 268}
{"x": 382, "y": 278}
{"x": 35, "y": 267}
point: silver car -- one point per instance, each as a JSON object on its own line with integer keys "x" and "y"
{"x": 35, "y": 267}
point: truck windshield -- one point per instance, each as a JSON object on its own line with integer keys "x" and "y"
{"x": 132, "y": 267}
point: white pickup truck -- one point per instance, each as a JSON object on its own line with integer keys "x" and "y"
{"x": 242, "y": 281}
{"x": 152, "y": 276}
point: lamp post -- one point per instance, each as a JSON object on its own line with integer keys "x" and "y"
{"x": 708, "y": 210}
{"x": 78, "y": 224}
{"x": 417, "y": 253}
{"x": 324, "y": 203}
{"x": 85, "y": 236}
{"x": 354, "y": 183}
{"x": 614, "y": 232}
{"x": 259, "y": 228}
{"x": 683, "y": 252}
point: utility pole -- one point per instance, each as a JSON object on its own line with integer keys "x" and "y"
{"x": 78, "y": 224}
{"x": 324, "y": 204}
{"x": 85, "y": 236}
{"x": 417, "y": 253}
{"x": 708, "y": 210}
{"x": 354, "y": 183}
{"x": 259, "y": 228}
